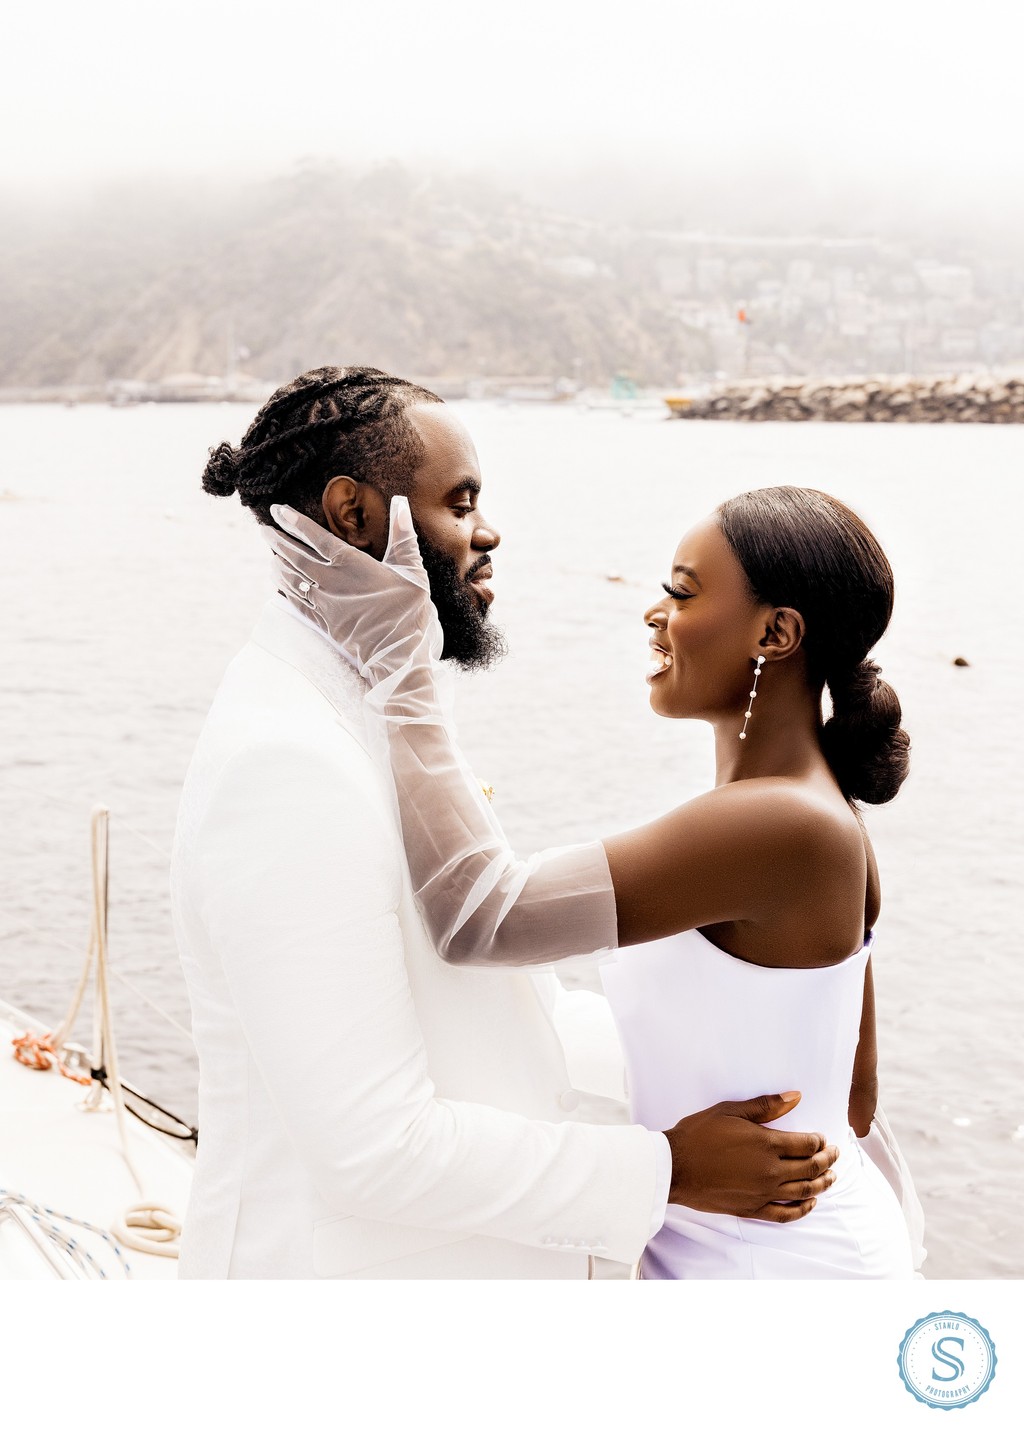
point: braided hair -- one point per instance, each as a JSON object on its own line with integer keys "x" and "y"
{"x": 326, "y": 422}
{"x": 804, "y": 550}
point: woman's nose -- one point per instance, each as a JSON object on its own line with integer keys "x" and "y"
{"x": 655, "y": 616}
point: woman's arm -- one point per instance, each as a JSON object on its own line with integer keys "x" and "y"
{"x": 738, "y": 854}
{"x": 864, "y": 1088}
{"x": 731, "y": 855}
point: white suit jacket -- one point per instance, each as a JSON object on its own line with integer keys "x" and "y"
{"x": 365, "y": 1110}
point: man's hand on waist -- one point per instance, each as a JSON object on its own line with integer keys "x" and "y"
{"x": 724, "y": 1160}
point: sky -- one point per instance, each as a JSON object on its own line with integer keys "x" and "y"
{"x": 905, "y": 101}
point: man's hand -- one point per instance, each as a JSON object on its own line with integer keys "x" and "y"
{"x": 723, "y": 1160}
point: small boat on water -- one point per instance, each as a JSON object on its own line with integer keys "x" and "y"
{"x": 94, "y": 1178}
{"x": 682, "y": 402}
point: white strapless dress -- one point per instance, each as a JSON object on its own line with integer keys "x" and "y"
{"x": 700, "y": 1027}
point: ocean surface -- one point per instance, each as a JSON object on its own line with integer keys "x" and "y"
{"x": 124, "y": 591}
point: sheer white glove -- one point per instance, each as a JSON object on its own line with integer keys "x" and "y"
{"x": 379, "y": 615}
{"x": 480, "y": 903}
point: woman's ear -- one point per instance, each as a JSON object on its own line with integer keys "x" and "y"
{"x": 356, "y": 513}
{"x": 783, "y": 634}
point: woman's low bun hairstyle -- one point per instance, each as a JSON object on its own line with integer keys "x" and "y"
{"x": 802, "y": 549}
{"x": 865, "y": 746}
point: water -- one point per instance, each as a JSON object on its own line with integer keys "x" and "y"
{"x": 125, "y": 590}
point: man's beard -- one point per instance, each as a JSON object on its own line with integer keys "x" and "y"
{"x": 470, "y": 639}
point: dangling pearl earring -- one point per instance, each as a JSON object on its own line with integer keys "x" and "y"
{"x": 753, "y": 695}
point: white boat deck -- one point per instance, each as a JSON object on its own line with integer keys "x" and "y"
{"x": 69, "y": 1160}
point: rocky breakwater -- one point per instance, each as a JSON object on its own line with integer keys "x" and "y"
{"x": 900, "y": 399}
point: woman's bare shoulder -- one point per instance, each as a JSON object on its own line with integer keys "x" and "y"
{"x": 812, "y": 867}
{"x": 793, "y": 811}
{"x": 749, "y": 851}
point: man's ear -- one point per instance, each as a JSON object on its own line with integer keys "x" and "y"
{"x": 783, "y": 634}
{"x": 356, "y": 513}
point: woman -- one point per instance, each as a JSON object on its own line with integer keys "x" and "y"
{"x": 749, "y": 911}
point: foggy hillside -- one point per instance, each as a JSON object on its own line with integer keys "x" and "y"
{"x": 452, "y": 276}
{"x": 429, "y": 277}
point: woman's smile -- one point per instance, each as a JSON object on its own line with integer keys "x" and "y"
{"x": 661, "y": 662}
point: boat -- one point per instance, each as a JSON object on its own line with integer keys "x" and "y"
{"x": 94, "y": 1177}
{"x": 688, "y": 398}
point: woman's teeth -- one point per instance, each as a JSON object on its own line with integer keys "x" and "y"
{"x": 660, "y": 661}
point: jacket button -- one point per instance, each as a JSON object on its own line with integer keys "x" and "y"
{"x": 569, "y": 1101}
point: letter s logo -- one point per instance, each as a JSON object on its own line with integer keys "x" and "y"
{"x": 941, "y": 1355}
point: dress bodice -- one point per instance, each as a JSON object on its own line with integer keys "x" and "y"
{"x": 699, "y": 1026}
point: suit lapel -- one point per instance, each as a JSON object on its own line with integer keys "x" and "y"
{"x": 281, "y": 632}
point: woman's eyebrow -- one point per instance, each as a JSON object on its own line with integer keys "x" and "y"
{"x": 685, "y": 569}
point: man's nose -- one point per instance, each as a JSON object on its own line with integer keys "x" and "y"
{"x": 485, "y": 536}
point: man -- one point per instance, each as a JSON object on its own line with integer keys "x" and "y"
{"x": 367, "y": 1110}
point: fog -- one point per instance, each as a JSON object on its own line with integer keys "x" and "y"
{"x": 860, "y": 117}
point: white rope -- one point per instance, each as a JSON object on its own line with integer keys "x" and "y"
{"x": 75, "y": 948}
{"x": 143, "y": 839}
{"x": 150, "y": 1227}
{"x": 50, "y": 937}
{"x": 46, "y": 1220}
{"x": 155, "y": 1006}
{"x": 78, "y": 804}
{"x": 147, "y": 1226}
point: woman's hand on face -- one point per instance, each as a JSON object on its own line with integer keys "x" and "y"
{"x": 378, "y": 613}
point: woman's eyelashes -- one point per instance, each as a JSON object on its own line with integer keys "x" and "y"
{"x": 676, "y": 593}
